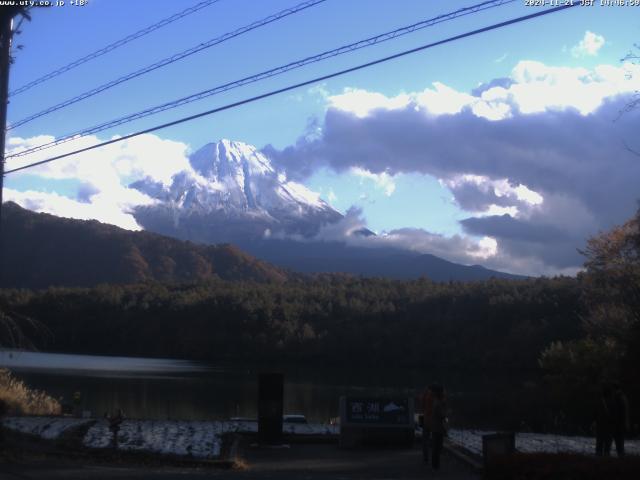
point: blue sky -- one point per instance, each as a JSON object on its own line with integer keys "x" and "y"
{"x": 390, "y": 198}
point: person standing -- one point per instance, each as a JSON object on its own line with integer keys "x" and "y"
{"x": 620, "y": 418}
{"x": 114, "y": 426}
{"x": 427, "y": 411}
{"x": 604, "y": 422}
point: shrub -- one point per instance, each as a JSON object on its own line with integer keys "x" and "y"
{"x": 19, "y": 399}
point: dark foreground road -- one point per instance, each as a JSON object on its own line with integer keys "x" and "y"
{"x": 299, "y": 461}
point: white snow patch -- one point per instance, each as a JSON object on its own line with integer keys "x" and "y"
{"x": 198, "y": 439}
{"x": 99, "y": 435}
{"x": 302, "y": 194}
{"x": 44, "y": 427}
{"x": 186, "y": 438}
{"x": 239, "y": 152}
{"x": 241, "y": 426}
{"x": 537, "y": 442}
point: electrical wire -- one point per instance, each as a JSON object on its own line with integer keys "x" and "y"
{"x": 298, "y": 85}
{"x": 267, "y": 74}
{"x": 114, "y": 45}
{"x": 169, "y": 60}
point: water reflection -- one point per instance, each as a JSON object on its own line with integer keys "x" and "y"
{"x": 94, "y": 363}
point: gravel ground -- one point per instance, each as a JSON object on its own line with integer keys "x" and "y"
{"x": 298, "y": 461}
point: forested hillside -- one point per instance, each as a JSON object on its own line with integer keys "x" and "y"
{"x": 41, "y": 250}
{"x": 499, "y": 324}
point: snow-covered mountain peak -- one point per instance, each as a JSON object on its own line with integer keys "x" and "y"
{"x": 235, "y": 181}
{"x": 230, "y": 159}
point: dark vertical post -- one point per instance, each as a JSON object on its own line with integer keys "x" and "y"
{"x": 5, "y": 38}
{"x": 270, "y": 407}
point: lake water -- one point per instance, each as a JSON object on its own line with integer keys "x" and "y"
{"x": 177, "y": 389}
{"x": 162, "y": 388}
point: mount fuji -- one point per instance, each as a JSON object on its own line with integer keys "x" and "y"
{"x": 233, "y": 194}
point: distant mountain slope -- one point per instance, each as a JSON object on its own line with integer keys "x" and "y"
{"x": 320, "y": 257}
{"x": 41, "y": 250}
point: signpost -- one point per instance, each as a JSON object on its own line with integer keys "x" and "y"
{"x": 376, "y": 420}
{"x": 270, "y": 407}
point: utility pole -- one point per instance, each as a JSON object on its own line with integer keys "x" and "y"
{"x": 5, "y": 56}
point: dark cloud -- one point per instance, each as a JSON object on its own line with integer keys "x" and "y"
{"x": 509, "y": 228}
{"x": 473, "y": 197}
{"x": 549, "y": 151}
{"x": 578, "y": 163}
{"x": 86, "y": 191}
{"x": 518, "y": 238}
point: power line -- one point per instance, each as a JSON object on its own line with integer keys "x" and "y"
{"x": 114, "y": 45}
{"x": 301, "y": 84}
{"x": 169, "y": 60}
{"x": 266, "y": 74}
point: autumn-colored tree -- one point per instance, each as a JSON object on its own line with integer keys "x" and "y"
{"x": 612, "y": 281}
{"x": 610, "y": 345}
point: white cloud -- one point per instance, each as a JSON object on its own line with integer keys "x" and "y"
{"x": 539, "y": 87}
{"x": 535, "y": 87}
{"x": 443, "y": 99}
{"x": 488, "y": 247}
{"x": 526, "y": 195}
{"x": 105, "y": 173}
{"x": 590, "y": 44}
{"x": 500, "y": 210}
{"x": 480, "y": 195}
{"x": 146, "y": 155}
{"x": 383, "y": 180}
{"x": 17, "y": 144}
{"x": 103, "y": 208}
{"x": 362, "y": 103}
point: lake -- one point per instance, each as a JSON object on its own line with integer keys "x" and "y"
{"x": 178, "y": 389}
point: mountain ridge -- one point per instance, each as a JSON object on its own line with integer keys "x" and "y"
{"x": 41, "y": 250}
